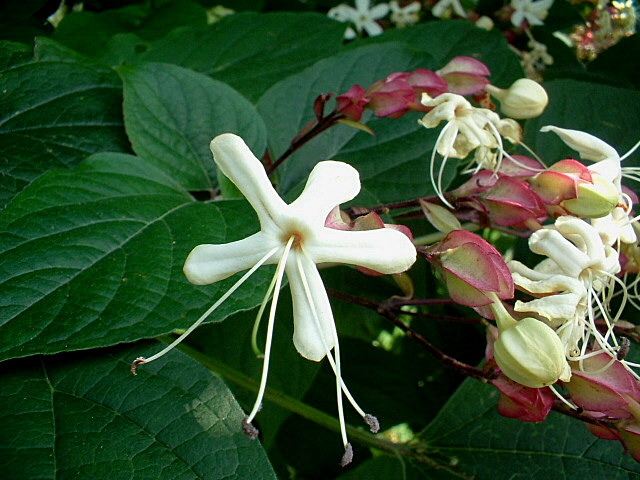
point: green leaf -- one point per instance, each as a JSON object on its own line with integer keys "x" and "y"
{"x": 12, "y": 54}
{"x": 171, "y": 115}
{"x": 55, "y": 111}
{"x": 446, "y": 39}
{"x": 251, "y": 51}
{"x": 400, "y": 146}
{"x": 485, "y": 445}
{"x": 609, "y": 113}
{"x": 93, "y": 257}
{"x": 617, "y": 63}
{"x": 86, "y": 416}
{"x": 90, "y": 32}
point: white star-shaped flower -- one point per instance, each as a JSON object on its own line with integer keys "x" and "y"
{"x": 363, "y": 17}
{"x": 294, "y": 237}
{"x": 533, "y": 11}
{"x": 443, "y": 6}
{"x": 404, "y": 16}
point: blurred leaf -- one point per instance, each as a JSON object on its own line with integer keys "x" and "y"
{"x": 55, "y": 110}
{"x": 94, "y": 256}
{"x": 171, "y": 115}
{"x": 401, "y": 145}
{"x": 86, "y": 416}
{"x": 619, "y": 62}
{"x": 609, "y": 113}
{"x": 90, "y": 32}
{"x": 251, "y": 51}
{"x": 22, "y": 20}
{"x": 12, "y": 54}
{"x": 486, "y": 446}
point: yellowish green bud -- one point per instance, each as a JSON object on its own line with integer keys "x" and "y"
{"x": 594, "y": 200}
{"x": 531, "y": 354}
{"x": 524, "y": 99}
{"x": 440, "y": 217}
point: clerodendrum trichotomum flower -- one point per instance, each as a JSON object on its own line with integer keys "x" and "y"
{"x": 295, "y": 237}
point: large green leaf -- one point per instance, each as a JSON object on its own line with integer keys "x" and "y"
{"x": 486, "y": 446}
{"x": 94, "y": 257}
{"x": 400, "y": 145}
{"x": 55, "y": 111}
{"x": 251, "y": 51}
{"x": 86, "y": 416}
{"x": 171, "y": 115}
{"x": 610, "y": 113}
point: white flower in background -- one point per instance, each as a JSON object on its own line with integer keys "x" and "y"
{"x": 533, "y": 11}
{"x": 295, "y": 238}
{"x": 404, "y": 16}
{"x": 444, "y": 8}
{"x": 468, "y": 128}
{"x": 363, "y": 17}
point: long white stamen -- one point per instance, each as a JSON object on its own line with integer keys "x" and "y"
{"x": 209, "y": 311}
{"x": 498, "y": 137}
{"x": 343, "y": 427}
{"x": 633, "y": 149}
{"x": 530, "y": 150}
{"x": 272, "y": 315}
{"x": 564, "y": 400}
{"x": 437, "y": 186}
{"x": 307, "y": 291}
{"x": 256, "y": 324}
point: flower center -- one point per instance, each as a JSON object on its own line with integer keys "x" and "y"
{"x": 297, "y": 238}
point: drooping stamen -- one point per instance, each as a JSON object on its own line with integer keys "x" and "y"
{"x": 347, "y": 458}
{"x": 437, "y": 186}
{"x": 534, "y": 154}
{"x": 305, "y": 284}
{"x": 272, "y": 314}
{"x": 228, "y": 293}
{"x": 633, "y": 149}
{"x": 256, "y": 324}
{"x": 564, "y": 400}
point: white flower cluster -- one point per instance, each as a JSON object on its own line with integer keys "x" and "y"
{"x": 364, "y": 17}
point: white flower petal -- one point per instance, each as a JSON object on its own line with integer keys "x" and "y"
{"x": 372, "y": 28}
{"x": 329, "y": 184}
{"x": 552, "y": 244}
{"x": 383, "y": 250}
{"x": 210, "y": 263}
{"x": 241, "y": 166}
{"x": 554, "y": 307}
{"x": 379, "y": 11}
{"x": 307, "y": 338}
{"x": 362, "y": 6}
{"x": 589, "y": 147}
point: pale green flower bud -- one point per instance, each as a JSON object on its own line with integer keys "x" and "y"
{"x": 530, "y": 353}
{"x": 594, "y": 200}
{"x": 524, "y": 99}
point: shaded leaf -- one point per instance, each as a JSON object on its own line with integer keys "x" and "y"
{"x": 56, "y": 110}
{"x": 485, "y": 445}
{"x": 251, "y": 51}
{"x": 94, "y": 256}
{"x": 171, "y": 115}
{"x": 86, "y": 416}
{"x": 401, "y": 144}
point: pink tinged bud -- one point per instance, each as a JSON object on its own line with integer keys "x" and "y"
{"x": 471, "y": 266}
{"x": 523, "y": 403}
{"x": 512, "y": 202}
{"x": 391, "y": 97}
{"x": 423, "y": 80}
{"x": 478, "y": 183}
{"x": 604, "y": 387}
{"x": 630, "y": 434}
{"x": 352, "y": 103}
{"x": 603, "y": 432}
{"x": 595, "y": 200}
{"x": 465, "y": 75}
{"x": 560, "y": 181}
{"x": 519, "y": 166}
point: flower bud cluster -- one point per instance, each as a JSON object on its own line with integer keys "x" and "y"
{"x": 400, "y": 92}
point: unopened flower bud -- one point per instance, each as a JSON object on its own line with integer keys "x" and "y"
{"x": 530, "y": 353}
{"x": 594, "y": 200}
{"x": 524, "y": 99}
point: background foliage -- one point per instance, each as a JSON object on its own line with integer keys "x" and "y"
{"x": 105, "y": 187}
